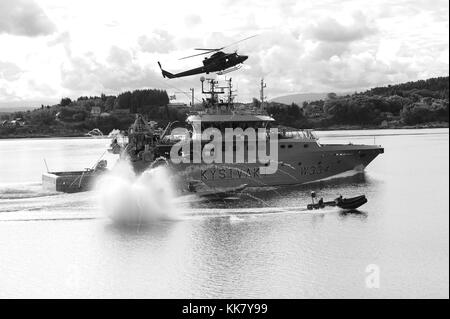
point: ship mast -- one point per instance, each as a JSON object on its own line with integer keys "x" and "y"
{"x": 192, "y": 97}
{"x": 213, "y": 100}
{"x": 261, "y": 92}
{"x": 230, "y": 94}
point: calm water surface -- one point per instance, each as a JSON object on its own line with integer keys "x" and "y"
{"x": 262, "y": 245}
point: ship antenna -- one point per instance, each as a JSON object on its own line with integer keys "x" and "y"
{"x": 192, "y": 97}
{"x": 45, "y": 162}
{"x": 230, "y": 94}
{"x": 262, "y": 97}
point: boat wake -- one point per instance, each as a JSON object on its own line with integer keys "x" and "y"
{"x": 124, "y": 197}
{"x": 22, "y": 191}
{"x": 70, "y": 203}
{"x": 347, "y": 174}
{"x": 233, "y": 214}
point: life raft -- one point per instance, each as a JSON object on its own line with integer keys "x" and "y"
{"x": 351, "y": 203}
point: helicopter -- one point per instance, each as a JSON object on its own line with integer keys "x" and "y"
{"x": 219, "y": 62}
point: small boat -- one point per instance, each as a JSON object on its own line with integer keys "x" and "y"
{"x": 73, "y": 181}
{"x": 351, "y": 203}
{"x": 94, "y": 133}
{"x": 344, "y": 203}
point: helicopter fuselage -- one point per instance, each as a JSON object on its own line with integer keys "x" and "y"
{"x": 219, "y": 61}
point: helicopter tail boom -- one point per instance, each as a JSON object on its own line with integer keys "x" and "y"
{"x": 165, "y": 73}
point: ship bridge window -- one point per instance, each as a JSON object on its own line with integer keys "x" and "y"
{"x": 290, "y": 146}
{"x": 282, "y": 146}
{"x": 233, "y": 125}
{"x": 305, "y": 145}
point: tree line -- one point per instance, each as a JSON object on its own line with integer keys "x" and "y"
{"x": 408, "y": 103}
{"x": 70, "y": 117}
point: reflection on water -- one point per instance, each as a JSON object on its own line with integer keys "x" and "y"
{"x": 62, "y": 245}
{"x": 354, "y": 213}
{"x": 294, "y": 195}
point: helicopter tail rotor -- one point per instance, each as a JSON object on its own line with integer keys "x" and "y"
{"x": 165, "y": 73}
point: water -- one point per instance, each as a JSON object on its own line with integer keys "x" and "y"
{"x": 261, "y": 245}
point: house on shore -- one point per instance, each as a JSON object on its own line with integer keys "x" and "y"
{"x": 17, "y": 122}
{"x": 96, "y": 111}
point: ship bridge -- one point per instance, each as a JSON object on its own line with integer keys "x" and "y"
{"x": 201, "y": 122}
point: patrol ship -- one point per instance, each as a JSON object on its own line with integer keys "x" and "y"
{"x": 301, "y": 157}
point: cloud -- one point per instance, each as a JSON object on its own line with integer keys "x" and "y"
{"x": 9, "y": 71}
{"x": 192, "y": 20}
{"x": 302, "y": 46}
{"x": 326, "y": 50}
{"x": 304, "y": 64}
{"x": 119, "y": 57}
{"x": 112, "y": 24}
{"x": 43, "y": 88}
{"x": 63, "y": 39}
{"x": 6, "y": 94}
{"x": 87, "y": 74}
{"x": 330, "y": 30}
{"x": 24, "y": 17}
{"x": 159, "y": 42}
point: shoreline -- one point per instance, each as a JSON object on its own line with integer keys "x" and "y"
{"x": 331, "y": 128}
{"x": 37, "y": 136}
{"x": 402, "y": 127}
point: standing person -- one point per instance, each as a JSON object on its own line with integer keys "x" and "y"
{"x": 313, "y": 195}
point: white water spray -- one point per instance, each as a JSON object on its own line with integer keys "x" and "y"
{"x": 131, "y": 199}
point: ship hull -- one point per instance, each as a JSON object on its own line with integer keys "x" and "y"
{"x": 297, "y": 164}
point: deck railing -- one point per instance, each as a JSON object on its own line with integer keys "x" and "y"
{"x": 297, "y": 134}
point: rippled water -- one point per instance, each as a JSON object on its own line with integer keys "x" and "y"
{"x": 264, "y": 244}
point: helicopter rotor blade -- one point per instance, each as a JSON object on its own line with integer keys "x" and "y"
{"x": 190, "y": 56}
{"x": 208, "y": 49}
{"x": 238, "y": 41}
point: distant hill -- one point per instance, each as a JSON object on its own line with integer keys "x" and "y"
{"x": 434, "y": 87}
{"x": 299, "y": 98}
{"x": 21, "y": 106}
{"x": 423, "y": 102}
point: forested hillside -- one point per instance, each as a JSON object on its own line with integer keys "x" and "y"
{"x": 406, "y": 104}
{"x": 421, "y": 103}
{"x": 76, "y": 117}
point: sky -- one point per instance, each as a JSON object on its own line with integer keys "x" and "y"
{"x": 56, "y": 48}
